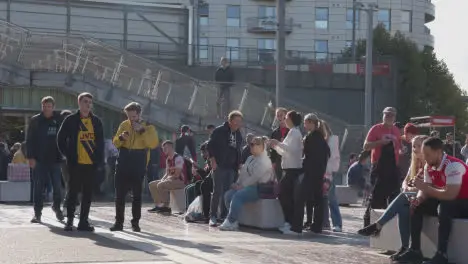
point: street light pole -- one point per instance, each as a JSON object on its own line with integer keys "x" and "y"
{"x": 353, "y": 41}
{"x": 369, "y": 65}
{"x": 280, "y": 49}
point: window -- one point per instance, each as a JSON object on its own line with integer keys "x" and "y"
{"x": 232, "y": 50}
{"x": 266, "y": 50}
{"x": 203, "y": 48}
{"x": 349, "y": 18}
{"x": 348, "y": 44}
{"x": 321, "y": 49}
{"x": 406, "y": 21}
{"x": 383, "y": 17}
{"x": 233, "y": 16}
{"x": 203, "y": 13}
{"x": 266, "y": 44}
{"x": 267, "y": 11}
{"x": 321, "y": 17}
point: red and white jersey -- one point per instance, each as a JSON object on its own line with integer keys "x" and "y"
{"x": 451, "y": 171}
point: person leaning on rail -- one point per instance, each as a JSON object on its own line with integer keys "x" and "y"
{"x": 133, "y": 139}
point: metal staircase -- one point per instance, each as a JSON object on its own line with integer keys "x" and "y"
{"x": 127, "y": 73}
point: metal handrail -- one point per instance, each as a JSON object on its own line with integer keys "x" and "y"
{"x": 79, "y": 54}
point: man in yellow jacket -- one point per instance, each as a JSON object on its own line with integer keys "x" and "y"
{"x": 133, "y": 139}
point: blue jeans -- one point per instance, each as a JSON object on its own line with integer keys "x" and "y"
{"x": 42, "y": 174}
{"x": 400, "y": 206}
{"x": 332, "y": 208}
{"x": 236, "y": 199}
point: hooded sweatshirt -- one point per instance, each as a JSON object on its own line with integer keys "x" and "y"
{"x": 257, "y": 169}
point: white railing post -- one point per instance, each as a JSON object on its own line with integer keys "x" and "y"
{"x": 194, "y": 96}
{"x": 78, "y": 58}
{"x": 244, "y": 97}
{"x": 168, "y": 93}
{"x": 155, "y": 91}
{"x": 115, "y": 74}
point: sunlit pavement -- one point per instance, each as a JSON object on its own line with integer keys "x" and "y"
{"x": 167, "y": 239}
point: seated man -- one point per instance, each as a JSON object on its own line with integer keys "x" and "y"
{"x": 172, "y": 180}
{"x": 199, "y": 174}
{"x": 356, "y": 173}
{"x": 446, "y": 184}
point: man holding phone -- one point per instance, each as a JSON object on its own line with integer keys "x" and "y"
{"x": 445, "y": 184}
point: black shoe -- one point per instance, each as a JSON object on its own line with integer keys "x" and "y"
{"x": 154, "y": 209}
{"x": 398, "y": 253}
{"x": 370, "y": 230}
{"x": 36, "y": 219}
{"x": 68, "y": 226}
{"x": 136, "y": 227}
{"x": 58, "y": 213}
{"x": 116, "y": 227}
{"x": 307, "y": 225}
{"x": 439, "y": 258}
{"x": 164, "y": 210}
{"x": 86, "y": 227}
{"x": 411, "y": 255}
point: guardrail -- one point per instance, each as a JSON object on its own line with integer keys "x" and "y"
{"x": 124, "y": 70}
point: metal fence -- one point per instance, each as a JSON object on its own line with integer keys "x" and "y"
{"x": 124, "y": 70}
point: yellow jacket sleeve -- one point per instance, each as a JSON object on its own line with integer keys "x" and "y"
{"x": 19, "y": 158}
{"x": 151, "y": 137}
{"x": 117, "y": 142}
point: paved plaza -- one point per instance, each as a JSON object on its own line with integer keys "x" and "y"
{"x": 167, "y": 239}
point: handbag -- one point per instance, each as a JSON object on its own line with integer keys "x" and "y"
{"x": 268, "y": 190}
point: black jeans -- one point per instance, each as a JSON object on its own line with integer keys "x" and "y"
{"x": 309, "y": 194}
{"x": 448, "y": 210}
{"x": 81, "y": 180}
{"x": 206, "y": 188}
{"x": 286, "y": 196}
{"x": 129, "y": 176}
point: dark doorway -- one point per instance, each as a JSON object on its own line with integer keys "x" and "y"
{"x": 12, "y": 129}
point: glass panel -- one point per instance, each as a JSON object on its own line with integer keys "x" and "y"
{"x": 349, "y": 18}
{"x": 203, "y": 10}
{"x": 203, "y": 21}
{"x": 321, "y": 24}
{"x": 267, "y": 11}
{"x": 232, "y": 51}
{"x": 233, "y": 22}
{"x": 233, "y": 11}
{"x": 384, "y": 15}
{"x": 321, "y": 46}
{"x": 321, "y": 13}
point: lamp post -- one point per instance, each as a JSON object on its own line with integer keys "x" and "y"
{"x": 369, "y": 9}
{"x": 280, "y": 49}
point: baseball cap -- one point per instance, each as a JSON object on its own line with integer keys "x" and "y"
{"x": 411, "y": 129}
{"x": 389, "y": 109}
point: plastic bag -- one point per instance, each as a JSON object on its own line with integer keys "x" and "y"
{"x": 195, "y": 210}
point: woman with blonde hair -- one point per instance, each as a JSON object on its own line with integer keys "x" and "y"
{"x": 401, "y": 204}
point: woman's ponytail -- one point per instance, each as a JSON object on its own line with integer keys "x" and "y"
{"x": 321, "y": 128}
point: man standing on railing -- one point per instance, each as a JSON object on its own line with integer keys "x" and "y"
{"x": 225, "y": 77}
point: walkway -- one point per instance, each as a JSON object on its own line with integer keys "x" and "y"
{"x": 167, "y": 239}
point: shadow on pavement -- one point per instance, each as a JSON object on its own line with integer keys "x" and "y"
{"x": 101, "y": 240}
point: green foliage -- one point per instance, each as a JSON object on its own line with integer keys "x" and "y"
{"x": 425, "y": 85}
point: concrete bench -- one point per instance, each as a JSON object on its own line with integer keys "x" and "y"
{"x": 346, "y": 195}
{"x": 389, "y": 238}
{"x": 263, "y": 214}
{"x": 177, "y": 201}
{"x": 15, "y": 191}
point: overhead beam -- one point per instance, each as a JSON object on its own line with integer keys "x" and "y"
{"x": 171, "y": 39}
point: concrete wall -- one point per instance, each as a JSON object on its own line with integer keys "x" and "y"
{"x": 339, "y": 95}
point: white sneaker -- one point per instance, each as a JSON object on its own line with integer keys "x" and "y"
{"x": 337, "y": 229}
{"x": 213, "y": 221}
{"x": 228, "y": 226}
{"x": 285, "y": 227}
{"x": 290, "y": 232}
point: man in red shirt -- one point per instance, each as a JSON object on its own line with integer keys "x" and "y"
{"x": 382, "y": 134}
{"x": 445, "y": 184}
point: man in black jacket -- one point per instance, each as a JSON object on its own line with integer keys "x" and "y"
{"x": 44, "y": 156}
{"x": 224, "y": 147}
{"x": 225, "y": 77}
{"x": 279, "y": 134}
{"x": 185, "y": 146}
{"x": 81, "y": 140}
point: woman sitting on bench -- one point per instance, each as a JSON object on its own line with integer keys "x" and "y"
{"x": 257, "y": 169}
{"x": 401, "y": 204}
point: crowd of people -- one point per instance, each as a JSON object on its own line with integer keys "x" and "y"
{"x": 435, "y": 183}
{"x": 410, "y": 174}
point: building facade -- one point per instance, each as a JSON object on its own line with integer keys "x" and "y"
{"x": 314, "y": 29}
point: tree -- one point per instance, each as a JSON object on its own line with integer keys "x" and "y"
{"x": 425, "y": 86}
